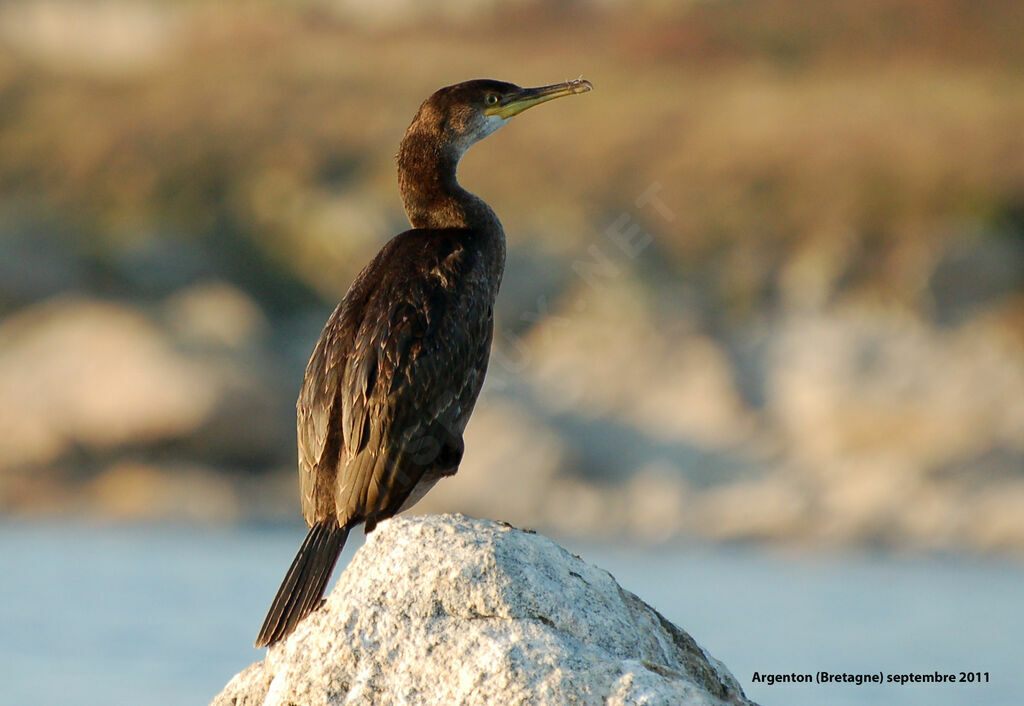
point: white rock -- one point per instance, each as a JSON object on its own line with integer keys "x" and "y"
{"x": 452, "y": 610}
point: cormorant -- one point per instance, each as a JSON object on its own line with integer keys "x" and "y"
{"x": 398, "y": 367}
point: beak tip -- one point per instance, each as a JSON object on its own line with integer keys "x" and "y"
{"x": 581, "y": 85}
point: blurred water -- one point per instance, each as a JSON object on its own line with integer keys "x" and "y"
{"x": 166, "y": 615}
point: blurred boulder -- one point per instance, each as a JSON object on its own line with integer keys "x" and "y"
{"x": 604, "y": 350}
{"x": 214, "y": 314}
{"x": 93, "y": 374}
{"x": 99, "y": 378}
{"x": 892, "y": 425}
{"x": 864, "y": 385}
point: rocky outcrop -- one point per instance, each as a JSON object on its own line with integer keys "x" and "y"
{"x": 448, "y": 609}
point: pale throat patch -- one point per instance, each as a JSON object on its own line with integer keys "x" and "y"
{"x": 485, "y": 125}
{"x": 492, "y": 123}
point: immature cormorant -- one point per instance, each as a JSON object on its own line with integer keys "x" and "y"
{"x": 398, "y": 367}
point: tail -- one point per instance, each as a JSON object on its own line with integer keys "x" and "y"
{"x": 304, "y": 584}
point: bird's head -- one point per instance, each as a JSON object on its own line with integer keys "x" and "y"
{"x": 447, "y": 124}
{"x": 465, "y": 113}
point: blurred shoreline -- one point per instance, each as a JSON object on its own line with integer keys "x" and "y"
{"x": 771, "y": 289}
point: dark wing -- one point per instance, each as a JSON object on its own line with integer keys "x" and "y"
{"x": 423, "y": 326}
{"x": 319, "y": 434}
{"x": 413, "y": 366}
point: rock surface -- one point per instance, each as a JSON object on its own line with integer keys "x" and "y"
{"x": 448, "y": 609}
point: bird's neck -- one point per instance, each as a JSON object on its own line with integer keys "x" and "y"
{"x": 430, "y": 191}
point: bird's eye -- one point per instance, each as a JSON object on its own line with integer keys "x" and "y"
{"x": 491, "y": 99}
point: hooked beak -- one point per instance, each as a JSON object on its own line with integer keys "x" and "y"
{"x": 515, "y": 103}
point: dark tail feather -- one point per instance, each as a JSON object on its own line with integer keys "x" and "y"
{"x": 304, "y": 584}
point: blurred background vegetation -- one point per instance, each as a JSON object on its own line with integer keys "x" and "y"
{"x": 765, "y": 282}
